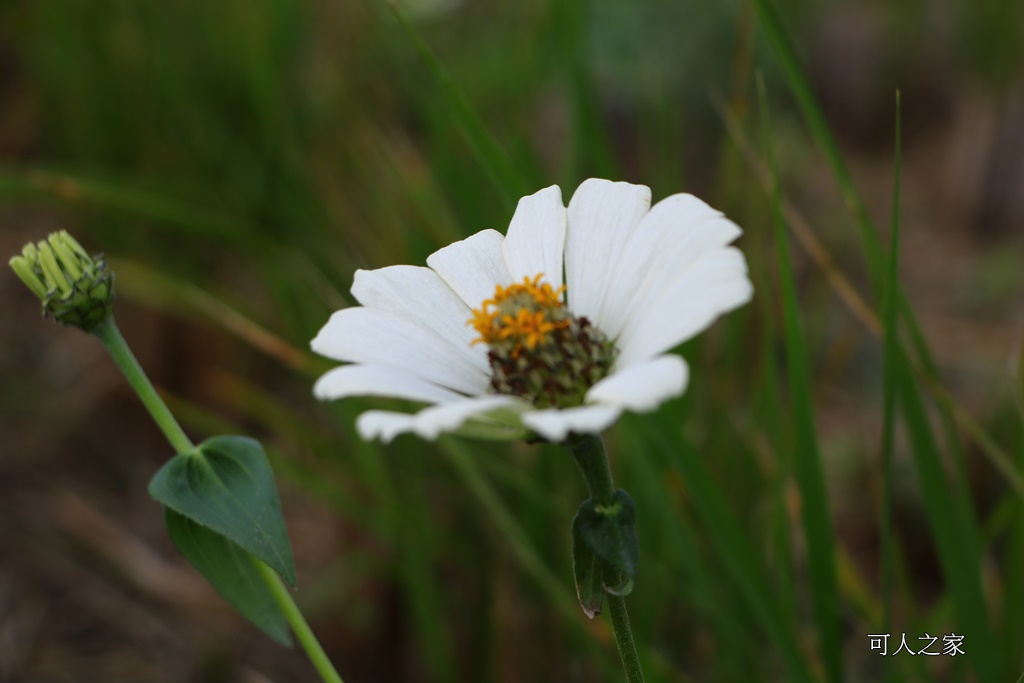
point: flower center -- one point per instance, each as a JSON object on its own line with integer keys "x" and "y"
{"x": 538, "y": 350}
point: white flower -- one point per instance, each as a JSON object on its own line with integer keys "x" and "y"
{"x": 497, "y": 344}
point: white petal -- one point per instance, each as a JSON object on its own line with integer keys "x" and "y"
{"x": 431, "y": 422}
{"x": 536, "y": 237}
{"x": 383, "y": 424}
{"x": 447, "y": 417}
{"x": 376, "y": 380}
{"x": 374, "y": 337}
{"x": 602, "y": 214}
{"x": 554, "y": 424}
{"x": 715, "y": 284}
{"x": 676, "y": 232}
{"x": 643, "y": 386}
{"x": 420, "y": 295}
{"x": 472, "y": 267}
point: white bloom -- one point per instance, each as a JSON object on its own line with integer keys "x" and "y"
{"x": 492, "y": 338}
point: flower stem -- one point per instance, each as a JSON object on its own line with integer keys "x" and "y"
{"x": 624, "y": 639}
{"x": 110, "y": 335}
{"x": 588, "y": 450}
{"x": 590, "y": 456}
{"x": 298, "y": 623}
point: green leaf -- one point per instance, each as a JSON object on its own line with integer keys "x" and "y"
{"x": 588, "y": 572}
{"x": 609, "y": 530}
{"x": 226, "y": 484}
{"x": 230, "y": 570}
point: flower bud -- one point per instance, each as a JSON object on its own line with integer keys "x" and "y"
{"x": 77, "y": 289}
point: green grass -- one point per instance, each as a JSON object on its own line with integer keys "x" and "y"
{"x": 815, "y": 514}
{"x": 886, "y": 530}
{"x": 238, "y": 161}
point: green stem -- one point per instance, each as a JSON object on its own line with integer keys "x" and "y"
{"x": 110, "y": 335}
{"x": 590, "y": 456}
{"x": 624, "y": 639}
{"x": 588, "y": 450}
{"x": 298, "y": 623}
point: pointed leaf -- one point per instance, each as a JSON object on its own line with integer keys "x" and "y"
{"x": 227, "y": 485}
{"x": 231, "y": 571}
{"x": 588, "y": 572}
{"x": 609, "y": 531}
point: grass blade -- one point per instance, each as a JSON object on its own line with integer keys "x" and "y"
{"x": 556, "y": 591}
{"x": 814, "y": 511}
{"x": 956, "y": 537}
{"x": 952, "y": 413}
{"x": 736, "y": 553}
{"x": 801, "y": 90}
{"x": 591, "y": 152}
{"x": 889, "y": 389}
{"x": 507, "y": 180}
{"x": 75, "y": 190}
{"x": 950, "y": 514}
{"x": 165, "y": 293}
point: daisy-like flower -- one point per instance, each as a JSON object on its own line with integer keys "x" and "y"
{"x": 499, "y": 344}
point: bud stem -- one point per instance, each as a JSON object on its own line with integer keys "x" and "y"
{"x": 589, "y": 452}
{"x": 108, "y": 333}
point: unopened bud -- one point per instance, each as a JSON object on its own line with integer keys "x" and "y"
{"x": 77, "y": 289}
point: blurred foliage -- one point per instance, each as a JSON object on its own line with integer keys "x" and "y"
{"x": 243, "y": 159}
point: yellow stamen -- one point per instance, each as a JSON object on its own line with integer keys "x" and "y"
{"x": 519, "y": 313}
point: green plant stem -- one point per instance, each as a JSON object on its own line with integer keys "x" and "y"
{"x": 589, "y": 452}
{"x": 624, "y": 638}
{"x": 590, "y": 456}
{"x": 108, "y": 333}
{"x": 298, "y": 623}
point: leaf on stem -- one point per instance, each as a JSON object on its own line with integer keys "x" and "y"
{"x": 226, "y": 485}
{"x": 609, "y": 531}
{"x": 230, "y": 570}
{"x": 588, "y": 572}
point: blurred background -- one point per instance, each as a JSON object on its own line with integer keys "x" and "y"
{"x": 237, "y": 161}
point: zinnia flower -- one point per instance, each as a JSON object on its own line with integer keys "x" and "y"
{"x": 500, "y": 345}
